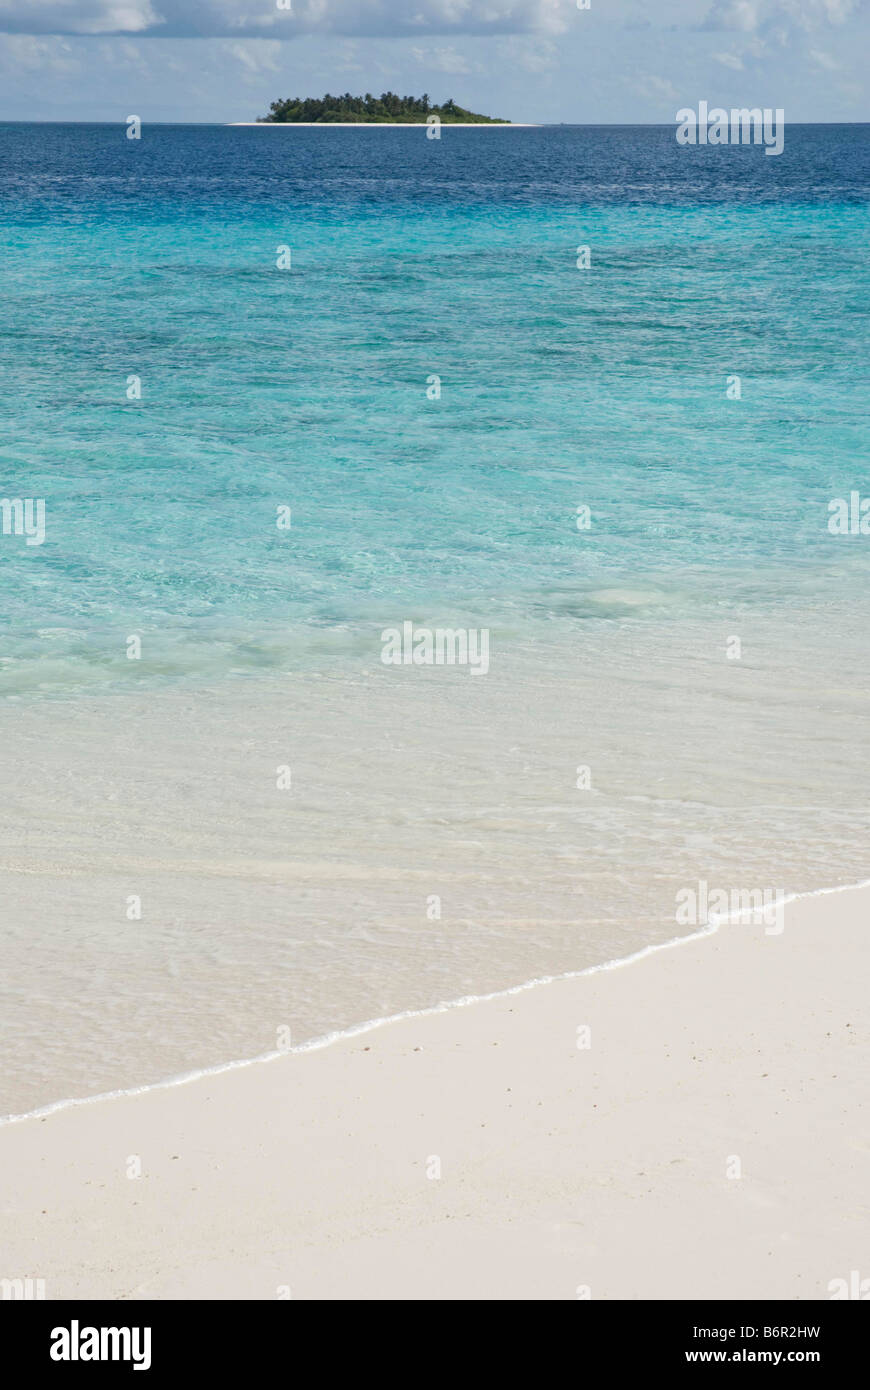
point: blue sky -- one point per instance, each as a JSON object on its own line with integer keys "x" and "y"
{"x": 528, "y": 60}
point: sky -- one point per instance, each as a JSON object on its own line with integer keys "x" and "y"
{"x": 526, "y": 60}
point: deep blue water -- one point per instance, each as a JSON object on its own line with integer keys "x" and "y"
{"x": 307, "y": 387}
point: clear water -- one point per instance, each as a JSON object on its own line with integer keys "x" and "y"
{"x": 307, "y": 388}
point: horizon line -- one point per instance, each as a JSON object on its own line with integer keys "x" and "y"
{"x": 458, "y": 125}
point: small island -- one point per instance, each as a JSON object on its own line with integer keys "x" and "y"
{"x": 387, "y": 109}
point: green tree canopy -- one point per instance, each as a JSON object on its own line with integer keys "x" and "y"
{"x": 370, "y": 109}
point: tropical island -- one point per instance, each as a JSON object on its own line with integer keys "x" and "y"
{"x": 387, "y": 109}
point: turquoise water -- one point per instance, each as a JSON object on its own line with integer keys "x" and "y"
{"x": 307, "y": 387}
{"x": 265, "y": 907}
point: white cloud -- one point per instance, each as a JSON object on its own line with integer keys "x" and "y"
{"x": 729, "y": 60}
{"x": 22, "y": 53}
{"x": 78, "y": 16}
{"x": 228, "y": 18}
{"x": 257, "y": 55}
{"x": 780, "y": 17}
{"x": 657, "y": 87}
{"x": 442, "y": 59}
{"x": 530, "y": 54}
{"x": 741, "y": 15}
{"x": 838, "y": 11}
{"x": 824, "y": 60}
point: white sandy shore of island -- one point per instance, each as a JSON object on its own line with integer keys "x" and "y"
{"x": 561, "y": 1168}
{"x": 387, "y": 125}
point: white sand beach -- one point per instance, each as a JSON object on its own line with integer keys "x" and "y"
{"x": 388, "y": 125}
{"x": 611, "y": 1169}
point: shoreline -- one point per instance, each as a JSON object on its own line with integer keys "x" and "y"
{"x": 330, "y": 1039}
{"x": 330, "y": 927}
{"x": 490, "y": 1153}
{"x": 390, "y": 125}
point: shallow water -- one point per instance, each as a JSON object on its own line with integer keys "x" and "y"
{"x": 261, "y": 648}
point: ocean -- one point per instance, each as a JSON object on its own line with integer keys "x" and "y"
{"x": 225, "y": 820}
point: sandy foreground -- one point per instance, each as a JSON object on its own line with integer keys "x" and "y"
{"x": 562, "y": 1168}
